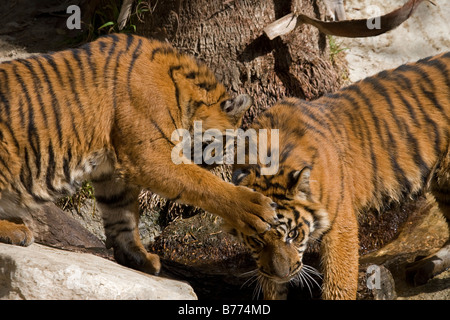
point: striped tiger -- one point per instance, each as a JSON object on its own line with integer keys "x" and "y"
{"x": 105, "y": 112}
{"x": 382, "y": 139}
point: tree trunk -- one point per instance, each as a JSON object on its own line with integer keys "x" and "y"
{"x": 228, "y": 36}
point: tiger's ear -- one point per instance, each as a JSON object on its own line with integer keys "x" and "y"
{"x": 298, "y": 183}
{"x": 236, "y": 107}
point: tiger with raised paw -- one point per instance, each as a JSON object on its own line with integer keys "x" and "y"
{"x": 105, "y": 112}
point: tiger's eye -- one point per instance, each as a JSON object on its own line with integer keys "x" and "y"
{"x": 292, "y": 235}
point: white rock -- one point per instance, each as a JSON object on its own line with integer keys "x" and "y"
{"x": 39, "y": 272}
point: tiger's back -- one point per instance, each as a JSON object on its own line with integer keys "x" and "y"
{"x": 398, "y": 122}
{"x": 394, "y": 126}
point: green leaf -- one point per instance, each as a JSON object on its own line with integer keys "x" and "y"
{"x": 109, "y": 23}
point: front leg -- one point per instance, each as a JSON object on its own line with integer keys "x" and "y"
{"x": 150, "y": 166}
{"x": 118, "y": 203}
{"x": 248, "y": 211}
{"x": 340, "y": 258}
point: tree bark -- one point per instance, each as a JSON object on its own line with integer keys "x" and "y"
{"x": 228, "y": 36}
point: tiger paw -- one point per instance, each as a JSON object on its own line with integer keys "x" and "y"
{"x": 254, "y": 212}
{"x": 13, "y": 233}
{"x": 139, "y": 259}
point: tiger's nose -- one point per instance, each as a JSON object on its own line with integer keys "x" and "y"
{"x": 279, "y": 268}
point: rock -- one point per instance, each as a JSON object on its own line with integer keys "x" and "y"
{"x": 376, "y": 283}
{"x": 39, "y": 272}
{"x": 52, "y": 226}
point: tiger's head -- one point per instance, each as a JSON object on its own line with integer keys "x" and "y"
{"x": 204, "y": 98}
{"x": 279, "y": 251}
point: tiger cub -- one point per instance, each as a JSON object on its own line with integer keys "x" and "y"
{"x": 105, "y": 112}
{"x": 381, "y": 139}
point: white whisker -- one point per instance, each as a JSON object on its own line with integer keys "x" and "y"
{"x": 253, "y": 276}
{"x": 249, "y": 273}
{"x": 305, "y": 278}
{"x": 258, "y": 287}
{"x": 312, "y": 270}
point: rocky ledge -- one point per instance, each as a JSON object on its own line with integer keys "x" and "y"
{"x": 40, "y": 272}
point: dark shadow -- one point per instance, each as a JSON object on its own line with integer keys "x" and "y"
{"x": 39, "y": 25}
{"x": 214, "y": 281}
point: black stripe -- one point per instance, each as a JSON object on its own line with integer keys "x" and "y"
{"x": 80, "y": 106}
{"x": 120, "y": 200}
{"x": 162, "y": 132}
{"x": 296, "y": 215}
{"x": 306, "y": 110}
{"x": 108, "y": 225}
{"x": 66, "y": 164}
{"x": 7, "y": 106}
{"x": 130, "y": 40}
{"x": 25, "y": 173}
{"x": 3, "y": 94}
{"x": 51, "y": 62}
{"x": 55, "y": 102}
{"x": 407, "y": 85}
{"x": 364, "y": 123}
{"x": 116, "y": 68}
{"x": 396, "y": 168}
{"x": 329, "y": 111}
{"x": 134, "y": 56}
{"x": 367, "y": 102}
{"x": 208, "y": 86}
{"x": 424, "y": 76}
{"x": 108, "y": 59}
{"x": 81, "y": 69}
{"x": 73, "y": 87}
{"x": 162, "y": 50}
{"x": 172, "y": 119}
{"x": 281, "y": 197}
{"x": 33, "y": 136}
{"x": 177, "y": 91}
{"x": 409, "y": 107}
{"x": 441, "y": 68}
{"x": 403, "y": 127}
{"x": 37, "y": 89}
{"x": 91, "y": 64}
{"x": 50, "y": 175}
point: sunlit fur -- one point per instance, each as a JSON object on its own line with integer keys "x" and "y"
{"x": 105, "y": 112}
{"x": 379, "y": 140}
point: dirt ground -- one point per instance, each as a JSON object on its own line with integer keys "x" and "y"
{"x": 425, "y": 33}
